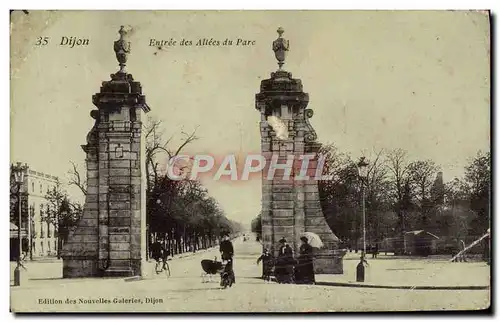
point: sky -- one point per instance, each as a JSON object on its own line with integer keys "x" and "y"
{"x": 377, "y": 80}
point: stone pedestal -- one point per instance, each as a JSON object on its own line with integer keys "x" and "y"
{"x": 292, "y": 207}
{"x": 108, "y": 240}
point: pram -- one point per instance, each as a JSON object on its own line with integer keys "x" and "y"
{"x": 210, "y": 268}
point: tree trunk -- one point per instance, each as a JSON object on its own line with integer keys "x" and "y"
{"x": 148, "y": 241}
{"x": 184, "y": 240}
{"x": 59, "y": 246}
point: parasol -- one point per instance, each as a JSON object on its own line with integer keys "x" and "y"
{"x": 313, "y": 239}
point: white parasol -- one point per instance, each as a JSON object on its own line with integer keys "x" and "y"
{"x": 313, "y": 239}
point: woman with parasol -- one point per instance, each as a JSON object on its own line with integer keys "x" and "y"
{"x": 305, "y": 268}
{"x": 304, "y": 271}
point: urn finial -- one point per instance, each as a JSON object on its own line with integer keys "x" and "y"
{"x": 122, "y": 49}
{"x": 280, "y": 47}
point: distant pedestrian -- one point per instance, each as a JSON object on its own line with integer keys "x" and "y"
{"x": 375, "y": 250}
{"x": 459, "y": 256}
{"x": 462, "y": 244}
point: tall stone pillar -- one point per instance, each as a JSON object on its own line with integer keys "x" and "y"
{"x": 109, "y": 238}
{"x": 292, "y": 207}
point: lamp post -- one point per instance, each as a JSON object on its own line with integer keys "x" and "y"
{"x": 30, "y": 231}
{"x": 19, "y": 178}
{"x": 363, "y": 173}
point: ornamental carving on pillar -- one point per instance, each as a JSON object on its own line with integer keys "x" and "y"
{"x": 311, "y": 135}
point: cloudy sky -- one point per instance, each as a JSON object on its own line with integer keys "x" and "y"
{"x": 412, "y": 80}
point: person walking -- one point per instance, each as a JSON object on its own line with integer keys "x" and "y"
{"x": 227, "y": 254}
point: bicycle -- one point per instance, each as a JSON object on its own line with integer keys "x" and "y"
{"x": 159, "y": 266}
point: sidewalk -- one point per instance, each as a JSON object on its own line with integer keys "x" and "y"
{"x": 40, "y": 273}
{"x": 413, "y": 274}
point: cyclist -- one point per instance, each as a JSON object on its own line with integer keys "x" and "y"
{"x": 158, "y": 252}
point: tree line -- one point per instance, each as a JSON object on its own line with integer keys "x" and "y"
{"x": 403, "y": 195}
{"x": 181, "y": 213}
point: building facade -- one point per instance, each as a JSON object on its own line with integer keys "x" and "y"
{"x": 41, "y": 234}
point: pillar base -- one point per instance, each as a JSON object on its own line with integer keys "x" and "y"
{"x": 119, "y": 272}
{"x": 329, "y": 263}
{"x": 81, "y": 267}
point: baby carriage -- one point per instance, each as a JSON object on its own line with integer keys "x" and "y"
{"x": 210, "y": 268}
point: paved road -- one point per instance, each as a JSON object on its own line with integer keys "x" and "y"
{"x": 185, "y": 292}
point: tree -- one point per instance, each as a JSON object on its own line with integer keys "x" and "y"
{"x": 398, "y": 167}
{"x": 76, "y": 179}
{"x": 422, "y": 176}
{"x": 339, "y": 197}
{"x": 156, "y": 145}
{"x": 161, "y": 191}
{"x": 377, "y": 193}
{"x": 61, "y": 213}
{"x": 477, "y": 186}
{"x": 14, "y": 201}
{"x": 256, "y": 226}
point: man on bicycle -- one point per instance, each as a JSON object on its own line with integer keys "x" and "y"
{"x": 158, "y": 252}
{"x": 227, "y": 252}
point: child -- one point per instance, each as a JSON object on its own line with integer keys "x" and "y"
{"x": 267, "y": 264}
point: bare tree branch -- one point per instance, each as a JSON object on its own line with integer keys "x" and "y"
{"x": 76, "y": 180}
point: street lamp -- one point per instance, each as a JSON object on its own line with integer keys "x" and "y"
{"x": 363, "y": 174}
{"x": 19, "y": 178}
{"x": 31, "y": 215}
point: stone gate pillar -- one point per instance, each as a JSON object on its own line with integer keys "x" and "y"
{"x": 109, "y": 239}
{"x": 291, "y": 207}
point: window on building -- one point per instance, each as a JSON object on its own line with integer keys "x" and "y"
{"x": 42, "y": 233}
{"x": 32, "y": 187}
{"x": 41, "y": 190}
{"x": 32, "y": 220}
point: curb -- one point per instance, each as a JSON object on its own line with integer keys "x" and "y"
{"x": 400, "y": 287}
{"x": 190, "y": 254}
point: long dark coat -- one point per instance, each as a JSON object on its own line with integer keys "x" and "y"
{"x": 304, "y": 271}
{"x": 284, "y": 264}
